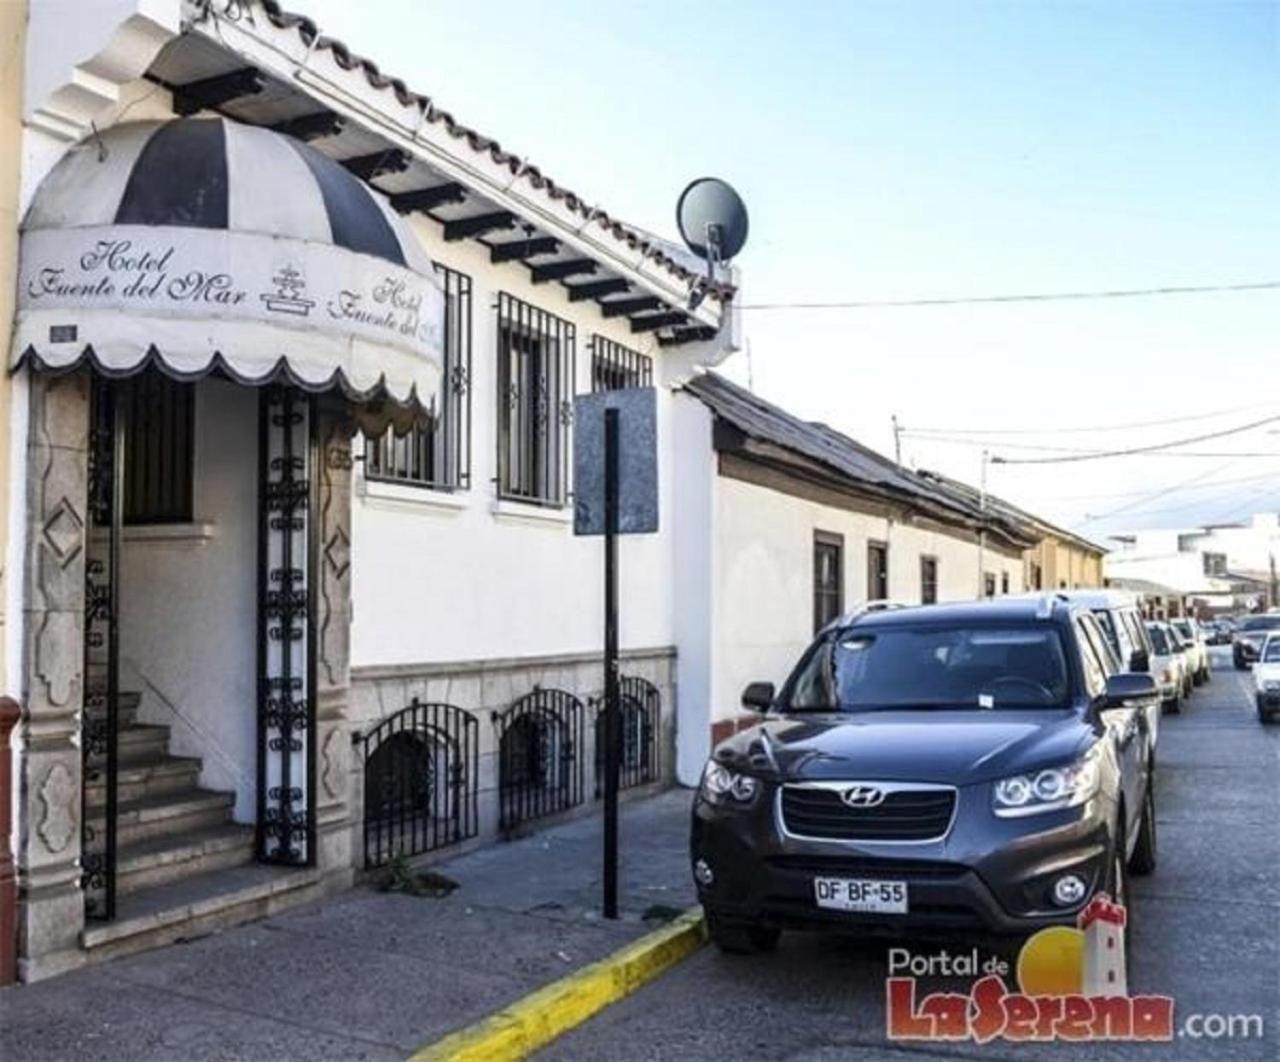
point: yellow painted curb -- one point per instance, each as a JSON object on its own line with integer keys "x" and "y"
{"x": 537, "y": 1019}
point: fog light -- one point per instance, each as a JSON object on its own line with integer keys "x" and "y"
{"x": 702, "y": 871}
{"x": 1068, "y": 890}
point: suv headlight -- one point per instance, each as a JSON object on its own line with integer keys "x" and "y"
{"x": 1049, "y": 789}
{"x": 727, "y": 788}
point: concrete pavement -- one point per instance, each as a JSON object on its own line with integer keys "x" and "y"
{"x": 1206, "y": 931}
{"x": 366, "y": 975}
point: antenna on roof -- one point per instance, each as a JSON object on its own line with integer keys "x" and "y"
{"x": 713, "y": 224}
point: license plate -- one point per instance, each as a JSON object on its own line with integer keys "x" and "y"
{"x": 860, "y": 894}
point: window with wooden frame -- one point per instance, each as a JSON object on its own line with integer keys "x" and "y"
{"x": 159, "y": 449}
{"x": 1004, "y": 582}
{"x": 438, "y": 457}
{"x": 877, "y": 571}
{"x": 615, "y": 367}
{"x": 535, "y": 402}
{"x": 828, "y": 578}
{"x": 928, "y": 580}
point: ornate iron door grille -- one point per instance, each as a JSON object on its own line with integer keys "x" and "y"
{"x": 287, "y": 554}
{"x": 641, "y": 715}
{"x": 421, "y": 773}
{"x": 99, "y": 721}
{"x": 540, "y": 768}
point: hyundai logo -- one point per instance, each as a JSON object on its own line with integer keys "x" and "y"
{"x": 863, "y": 796}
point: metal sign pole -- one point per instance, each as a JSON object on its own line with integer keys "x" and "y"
{"x": 610, "y": 728}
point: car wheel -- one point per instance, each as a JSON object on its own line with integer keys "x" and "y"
{"x": 1173, "y": 706}
{"x": 738, "y": 937}
{"x": 1143, "y": 860}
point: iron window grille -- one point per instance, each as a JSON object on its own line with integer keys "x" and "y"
{"x": 989, "y": 584}
{"x": 877, "y": 571}
{"x": 828, "y": 578}
{"x": 421, "y": 775}
{"x": 159, "y": 449}
{"x": 535, "y": 402}
{"x": 928, "y": 580}
{"x": 1004, "y": 582}
{"x": 437, "y": 457}
{"x": 540, "y": 765}
{"x": 615, "y": 367}
{"x": 641, "y": 718}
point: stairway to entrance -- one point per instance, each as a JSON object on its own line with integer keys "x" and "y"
{"x": 183, "y": 866}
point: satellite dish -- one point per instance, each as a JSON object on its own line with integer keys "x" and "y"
{"x": 712, "y": 219}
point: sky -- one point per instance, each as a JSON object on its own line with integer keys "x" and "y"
{"x": 918, "y": 150}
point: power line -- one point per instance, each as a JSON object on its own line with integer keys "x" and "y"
{"x": 1059, "y": 296}
{"x": 1097, "y": 427}
{"x": 1130, "y": 451}
{"x": 1143, "y": 493}
{"x": 1161, "y": 493}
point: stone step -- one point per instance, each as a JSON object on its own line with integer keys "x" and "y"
{"x": 193, "y": 907}
{"x": 141, "y": 741}
{"x": 126, "y": 704}
{"x": 171, "y": 814}
{"x": 148, "y": 776}
{"x": 170, "y": 858}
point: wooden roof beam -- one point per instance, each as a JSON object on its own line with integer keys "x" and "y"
{"x": 377, "y": 163}
{"x": 478, "y": 225}
{"x": 559, "y": 270}
{"x": 518, "y": 250}
{"x": 209, "y": 93}
{"x": 424, "y": 199}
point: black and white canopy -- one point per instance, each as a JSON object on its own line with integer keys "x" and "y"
{"x": 205, "y": 245}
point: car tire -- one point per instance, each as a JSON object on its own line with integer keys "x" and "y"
{"x": 1173, "y": 706}
{"x": 739, "y": 937}
{"x": 1143, "y": 860}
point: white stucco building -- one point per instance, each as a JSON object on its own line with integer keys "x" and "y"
{"x": 782, "y": 524}
{"x": 1219, "y": 566}
{"x": 255, "y": 654}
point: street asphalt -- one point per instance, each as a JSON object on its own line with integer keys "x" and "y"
{"x": 366, "y": 975}
{"x": 1206, "y": 930}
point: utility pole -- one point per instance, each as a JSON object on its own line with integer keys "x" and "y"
{"x": 1275, "y": 583}
{"x": 982, "y": 530}
{"x": 897, "y": 440}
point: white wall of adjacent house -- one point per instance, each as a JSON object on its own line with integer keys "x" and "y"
{"x": 765, "y": 577}
{"x": 460, "y": 576}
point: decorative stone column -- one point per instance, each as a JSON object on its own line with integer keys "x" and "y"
{"x": 52, "y": 908}
{"x": 333, "y": 650}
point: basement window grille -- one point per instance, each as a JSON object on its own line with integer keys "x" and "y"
{"x": 438, "y": 457}
{"x": 535, "y": 402}
{"x": 615, "y": 367}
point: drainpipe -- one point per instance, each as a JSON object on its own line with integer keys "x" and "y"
{"x": 982, "y": 530}
{"x": 9, "y": 715}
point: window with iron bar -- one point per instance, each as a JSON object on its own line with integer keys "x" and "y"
{"x": 928, "y": 580}
{"x": 535, "y": 402}
{"x": 615, "y": 367}
{"x": 159, "y": 449}
{"x": 828, "y": 578}
{"x": 437, "y": 457}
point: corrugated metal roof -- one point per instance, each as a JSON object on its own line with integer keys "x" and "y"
{"x": 859, "y": 465}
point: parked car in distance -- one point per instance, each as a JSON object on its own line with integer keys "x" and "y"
{"x": 946, "y": 768}
{"x": 1119, "y": 615}
{"x": 1266, "y": 679}
{"x": 1220, "y": 631}
{"x": 1193, "y": 637}
{"x": 1251, "y": 632}
{"x": 1168, "y": 666}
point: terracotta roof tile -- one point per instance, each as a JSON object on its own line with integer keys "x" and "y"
{"x": 481, "y": 144}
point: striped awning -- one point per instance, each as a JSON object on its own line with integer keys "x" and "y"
{"x": 202, "y": 245}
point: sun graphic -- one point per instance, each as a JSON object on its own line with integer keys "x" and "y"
{"x": 1051, "y": 962}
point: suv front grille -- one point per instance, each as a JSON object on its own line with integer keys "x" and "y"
{"x": 915, "y": 814}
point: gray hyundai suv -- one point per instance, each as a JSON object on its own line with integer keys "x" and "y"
{"x": 950, "y": 767}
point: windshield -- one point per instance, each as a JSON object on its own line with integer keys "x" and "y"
{"x": 1108, "y": 627}
{"x": 1183, "y": 628}
{"x": 1271, "y": 654}
{"x": 935, "y": 667}
{"x": 1159, "y": 642}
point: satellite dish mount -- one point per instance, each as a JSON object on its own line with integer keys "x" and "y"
{"x": 712, "y": 219}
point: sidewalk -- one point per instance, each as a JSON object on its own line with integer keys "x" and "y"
{"x": 366, "y": 975}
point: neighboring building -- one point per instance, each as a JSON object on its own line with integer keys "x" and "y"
{"x": 782, "y": 524}
{"x": 1060, "y": 559}
{"x": 241, "y": 244}
{"x": 1216, "y": 568}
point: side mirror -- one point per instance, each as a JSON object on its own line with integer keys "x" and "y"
{"x": 758, "y": 696}
{"x": 1140, "y": 661}
{"x": 1122, "y": 690}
